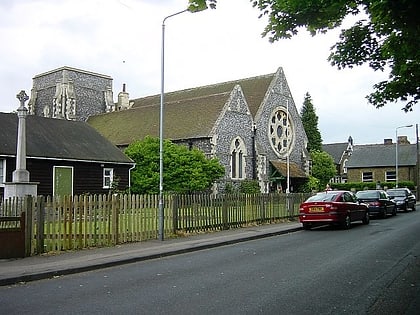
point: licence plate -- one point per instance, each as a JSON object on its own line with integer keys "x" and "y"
{"x": 316, "y": 209}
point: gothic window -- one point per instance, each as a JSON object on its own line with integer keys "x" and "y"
{"x": 46, "y": 111}
{"x": 238, "y": 153}
{"x": 345, "y": 166}
{"x": 281, "y": 131}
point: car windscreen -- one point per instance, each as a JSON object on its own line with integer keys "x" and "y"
{"x": 396, "y": 193}
{"x": 367, "y": 194}
{"x": 322, "y": 197}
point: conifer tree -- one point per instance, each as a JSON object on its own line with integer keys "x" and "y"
{"x": 310, "y": 124}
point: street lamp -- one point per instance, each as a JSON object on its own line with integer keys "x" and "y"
{"x": 396, "y": 152}
{"x": 287, "y": 152}
{"x": 192, "y": 9}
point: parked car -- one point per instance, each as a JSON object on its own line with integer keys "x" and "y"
{"x": 403, "y": 197}
{"x": 379, "y": 202}
{"x": 333, "y": 207}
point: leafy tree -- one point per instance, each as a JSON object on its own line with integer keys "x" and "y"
{"x": 386, "y": 36}
{"x": 311, "y": 185}
{"x": 310, "y": 124}
{"x": 323, "y": 167}
{"x": 184, "y": 170}
{"x": 199, "y": 5}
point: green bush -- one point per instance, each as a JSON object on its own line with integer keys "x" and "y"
{"x": 249, "y": 186}
{"x": 356, "y": 186}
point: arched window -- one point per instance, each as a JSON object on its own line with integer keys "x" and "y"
{"x": 345, "y": 166}
{"x": 237, "y": 163}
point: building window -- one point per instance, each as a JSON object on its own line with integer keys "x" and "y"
{"x": 2, "y": 172}
{"x": 390, "y": 176}
{"x": 345, "y": 166}
{"x": 367, "y": 177}
{"x": 281, "y": 131}
{"x": 108, "y": 177}
{"x": 237, "y": 163}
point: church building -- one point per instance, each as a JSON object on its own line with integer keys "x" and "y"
{"x": 251, "y": 125}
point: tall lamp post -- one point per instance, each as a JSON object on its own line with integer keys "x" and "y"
{"x": 191, "y": 9}
{"x": 417, "y": 163}
{"x": 287, "y": 147}
{"x": 396, "y": 152}
{"x": 287, "y": 159}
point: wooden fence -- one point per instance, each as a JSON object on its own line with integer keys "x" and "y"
{"x": 78, "y": 222}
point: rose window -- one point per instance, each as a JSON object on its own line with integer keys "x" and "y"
{"x": 280, "y": 132}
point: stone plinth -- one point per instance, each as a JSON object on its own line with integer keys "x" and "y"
{"x": 20, "y": 189}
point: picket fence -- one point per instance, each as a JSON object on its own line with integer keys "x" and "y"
{"x": 77, "y": 222}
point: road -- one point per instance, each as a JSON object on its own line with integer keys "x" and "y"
{"x": 371, "y": 269}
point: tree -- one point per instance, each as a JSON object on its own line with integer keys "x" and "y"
{"x": 386, "y": 36}
{"x": 311, "y": 185}
{"x": 184, "y": 170}
{"x": 199, "y": 5}
{"x": 310, "y": 124}
{"x": 323, "y": 167}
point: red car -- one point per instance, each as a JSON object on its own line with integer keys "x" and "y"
{"x": 332, "y": 207}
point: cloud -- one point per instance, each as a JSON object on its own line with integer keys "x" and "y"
{"x": 122, "y": 38}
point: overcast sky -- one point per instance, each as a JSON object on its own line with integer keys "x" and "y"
{"x": 122, "y": 39}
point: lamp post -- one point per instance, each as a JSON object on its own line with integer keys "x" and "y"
{"x": 417, "y": 163}
{"x": 287, "y": 148}
{"x": 287, "y": 159}
{"x": 191, "y": 9}
{"x": 396, "y": 152}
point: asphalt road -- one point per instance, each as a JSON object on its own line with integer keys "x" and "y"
{"x": 370, "y": 269}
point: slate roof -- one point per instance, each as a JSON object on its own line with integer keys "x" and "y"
{"x": 381, "y": 155}
{"x": 50, "y": 138}
{"x": 336, "y": 150}
{"x": 189, "y": 113}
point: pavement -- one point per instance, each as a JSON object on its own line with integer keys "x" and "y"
{"x": 63, "y": 263}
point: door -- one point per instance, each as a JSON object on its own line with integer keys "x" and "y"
{"x": 63, "y": 181}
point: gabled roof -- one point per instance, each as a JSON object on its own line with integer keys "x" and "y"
{"x": 190, "y": 113}
{"x": 336, "y": 150}
{"x": 50, "y": 138}
{"x": 382, "y": 155}
{"x": 189, "y": 118}
{"x": 294, "y": 170}
{"x": 253, "y": 88}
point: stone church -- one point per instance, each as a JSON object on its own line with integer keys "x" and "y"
{"x": 251, "y": 125}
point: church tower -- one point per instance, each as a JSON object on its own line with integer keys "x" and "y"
{"x": 71, "y": 94}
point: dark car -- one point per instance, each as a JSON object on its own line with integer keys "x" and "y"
{"x": 332, "y": 207}
{"x": 379, "y": 202}
{"x": 403, "y": 197}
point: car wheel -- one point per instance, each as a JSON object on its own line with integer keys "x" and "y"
{"x": 406, "y": 208}
{"x": 306, "y": 226}
{"x": 347, "y": 222}
{"x": 394, "y": 211}
{"x": 366, "y": 219}
{"x": 383, "y": 213}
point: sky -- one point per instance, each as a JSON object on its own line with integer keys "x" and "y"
{"x": 123, "y": 39}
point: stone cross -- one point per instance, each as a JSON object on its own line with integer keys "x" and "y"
{"x": 21, "y": 174}
{"x": 22, "y": 97}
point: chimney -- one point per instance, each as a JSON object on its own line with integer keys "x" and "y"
{"x": 403, "y": 140}
{"x": 123, "y": 99}
{"x": 387, "y": 141}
